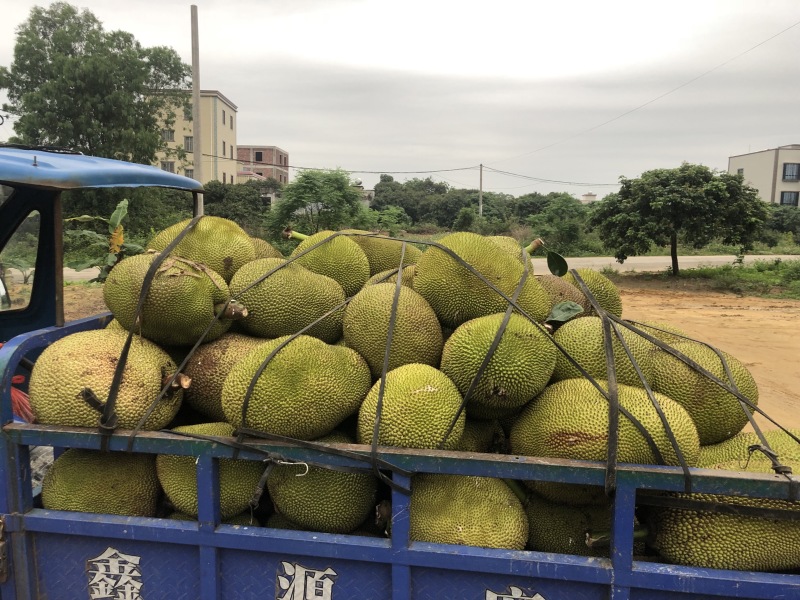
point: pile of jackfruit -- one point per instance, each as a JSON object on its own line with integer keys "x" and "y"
{"x": 360, "y": 338}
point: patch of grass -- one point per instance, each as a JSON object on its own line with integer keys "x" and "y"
{"x": 767, "y": 278}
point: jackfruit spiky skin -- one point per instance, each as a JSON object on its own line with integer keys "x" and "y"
{"x": 87, "y": 360}
{"x": 383, "y": 253}
{"x": 556, "y": 527}
{"x": 466, "y": 510}
{"x": 179, "y": 306}
{"x": 288, "y": 300}
{"x": 238, "y": 478}
{"x": 716, "y": 412}
{"x": 264, "y": 249}
{"x": 319, "y": 499}
{"x": 278, "y": 521}
{"x": 736, "y": 449}
{"x": 416, "y": 336}
{"x": 519, "y": 369}
{"x": 481, "y": 436}
{"x": 218, "y": 243}
{"x": 601, "y": 287}
{"x": 116, "y": 483}
{"x": 458, "y": 295}
{"x": 569, "y": 419}
{"x": 582, "y": 338}
{"x": 208, "y": 367}
{"x": 304, "y": 392}
{"x": 419, "y": 403}
{"x": 339, "y": 258}
{"x": 390, "y": 276}
{"x": 728, "y": 541}
{"x": 509, "y": 245}
{"x": 560, "y": 290}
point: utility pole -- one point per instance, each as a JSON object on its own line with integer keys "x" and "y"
{"x": 480, "y": 195}
{"x": 197, "y": 156}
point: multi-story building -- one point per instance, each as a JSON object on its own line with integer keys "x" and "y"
{"x": 263, "y": 161}
{"x": 775, "y": 173}
{"x": 218, "y": 122}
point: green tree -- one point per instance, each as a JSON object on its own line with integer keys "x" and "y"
{"x": 465, "y": 219}
{"x": 393, "y": 219}
{"x": 561, "y": 223}
{"x": 243, "y": 203}
{"x": 317, "y": 200}
{"x": 692, "y": 204}
{"x": 75, "y": 85}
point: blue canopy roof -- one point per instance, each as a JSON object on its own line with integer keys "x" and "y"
{"x": 64, "y": 171}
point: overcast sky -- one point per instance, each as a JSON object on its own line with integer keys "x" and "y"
{"x": 538, "y": 89}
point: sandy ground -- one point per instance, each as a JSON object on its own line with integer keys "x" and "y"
{"x": 764, "y": 334}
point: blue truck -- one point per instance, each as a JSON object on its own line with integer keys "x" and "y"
{"x": 50, "y": 554}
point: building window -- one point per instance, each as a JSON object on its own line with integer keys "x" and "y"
{"x": 789, "y": 198}
{"x": 187, "y": 113}
{"x": 231, "y": 121}
{"x": 791, "y": 171}
{"x": 223, "y": 117}
{"x": 231, "y": 151}
{"x": 260, "y": 173}
{"x": 167, "y": 135}
{"x": 168, "y": 165}
{"x": 223, "y": 149}
{"x": 188, "y": 143}
{"x": 189, "y": 173}
{"x": 224, "y": 177}
{"x": 259, "y": 156}
{"x": 740, "y": 172}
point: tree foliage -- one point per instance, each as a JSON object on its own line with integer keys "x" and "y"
{"x": 318, "y": 200}
{"x": 691, "y": 203}
{"x": 75, "y": 85}
{"x": 561, "y": 223}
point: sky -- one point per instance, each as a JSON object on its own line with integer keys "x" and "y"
{"x": 559, "y": 96}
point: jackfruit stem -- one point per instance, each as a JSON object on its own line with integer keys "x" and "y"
{"x": 602, "y": 539}
{"x": 518, "y": 490}
{"x": 290, "y": 234}
{"x": 534, "y": 245}
{"x": 181, "y": 381}
{"x": 233, "y": 310}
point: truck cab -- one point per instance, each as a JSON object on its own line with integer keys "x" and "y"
{"x": 72, "y": 555}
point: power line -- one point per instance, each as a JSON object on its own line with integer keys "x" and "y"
{"x": 659, "y": 97}
{"x": 542, "y": 180}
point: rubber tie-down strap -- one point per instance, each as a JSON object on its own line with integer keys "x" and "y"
{"x": 108, "y": 418}
{"x": 682, "y": 503}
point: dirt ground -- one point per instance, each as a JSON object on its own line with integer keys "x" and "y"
{"x": 764, "y": 334}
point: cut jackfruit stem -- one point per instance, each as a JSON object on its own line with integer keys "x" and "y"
{"x": 180, "y": 381}
{"x": 290, "y": 234}
{"x": 231, "y": 310}
{"x": 602, "y": 539}
{"x": 534, "y": 245}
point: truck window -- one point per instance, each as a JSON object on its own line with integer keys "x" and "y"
{"x": 17, "y": 262}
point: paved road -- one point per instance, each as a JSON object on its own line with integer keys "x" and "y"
{"x": 634, "y": 263}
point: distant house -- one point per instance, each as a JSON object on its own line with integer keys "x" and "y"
{"x": 263, "y": 161}
{"x": 218, "y": 123}
{"x": 775, "y": 173}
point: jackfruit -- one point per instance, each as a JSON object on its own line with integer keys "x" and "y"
{"x": 742, "y": 542}
{"x": 601, "y": 287}
{"x": 458, "y": 295}
{"x": 277, "y": 521}
{"x": 86, "y": 360}
{"x": 208, "y": 367}
{"x": 390, "y": 276}
{"x": 264, "y": 249}
{"x": 518, "y": 370}
{"x": 238, "y": 478}
{"x": 218, "y": 243}
{"x": 288, "y": 300}
{"x": 582, "y": 338}
{"x": 183, "y": 300}
{"x": 339, "y": 258}
{"x": 91, "y": 481}
{"x": 482, "y": 436}
{"x": 569, "y": 419}
{"x": 419, "y": 404}
{"x": 737, "y": 448}
{"x": 319, "y": 499}
{"x": 716, "y": 412}
{"x": 466, "y": 510}
{"x": 560, "y": 290}
{"x": 416, "y": 336}
{"x": 242, "y": 519}
{"x": 509, "y": 245}
{"x": 304, "y": 392}
{"x": 557, "y": 527}
{"x": 382, "y": 252}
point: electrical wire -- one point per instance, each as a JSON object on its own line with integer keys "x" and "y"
{"x": 542, "y": 180}
{"x": 649, "y": 102}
